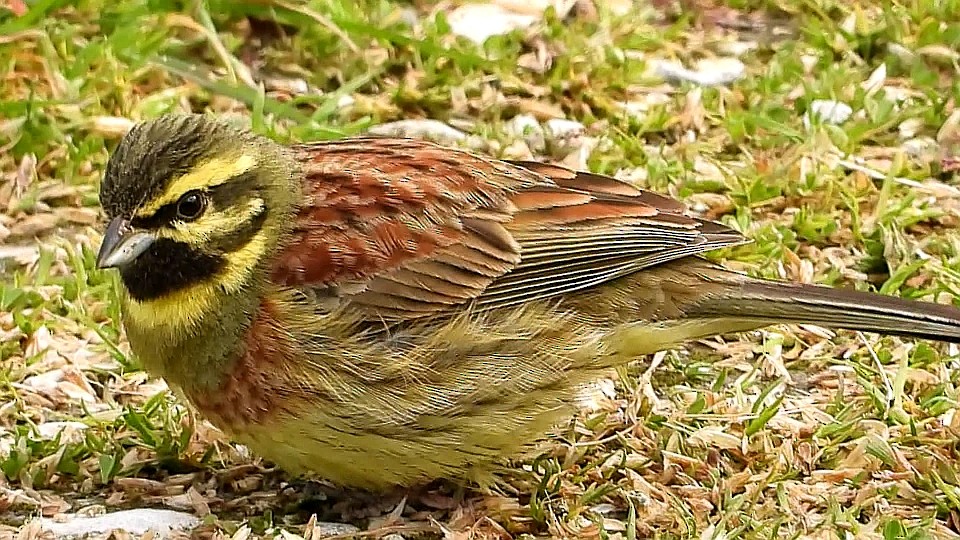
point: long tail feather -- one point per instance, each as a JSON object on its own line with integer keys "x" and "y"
{"x": 835, "y": 308}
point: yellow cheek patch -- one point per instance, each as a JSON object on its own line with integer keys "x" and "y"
{"x": 206, "y": 175}
{"x": 241, "y": 263}
{"x": 182, "y": 310}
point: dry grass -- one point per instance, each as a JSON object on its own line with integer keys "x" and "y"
{"x": 785, "y": 433}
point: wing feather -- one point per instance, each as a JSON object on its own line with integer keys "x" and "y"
{"x": 419, "y": 230}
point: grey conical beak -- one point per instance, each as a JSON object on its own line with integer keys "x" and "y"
{"x": 122, "y": 244}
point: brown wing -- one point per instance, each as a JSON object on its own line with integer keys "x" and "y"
{"x": 406, "y": 228}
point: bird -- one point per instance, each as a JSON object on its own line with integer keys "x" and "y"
{"x": 386, "y": 312}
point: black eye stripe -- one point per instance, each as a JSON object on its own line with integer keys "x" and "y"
{"x": 231, "y": 192}
{"x": 161, "y": 217}
{"x": 241, "y": 236}
{"x": 222, "y": 196}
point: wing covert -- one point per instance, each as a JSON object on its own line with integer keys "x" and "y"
{"x": 402, "y": 228}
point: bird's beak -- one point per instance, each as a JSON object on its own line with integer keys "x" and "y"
{"x": 122, "y": 244}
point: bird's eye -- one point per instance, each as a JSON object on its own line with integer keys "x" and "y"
{"x": 190, "y": 206}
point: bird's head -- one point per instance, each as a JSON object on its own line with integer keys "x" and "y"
{"x": 194, "y": 204}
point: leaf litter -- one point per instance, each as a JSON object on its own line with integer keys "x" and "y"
{"x": 792, "y": 431}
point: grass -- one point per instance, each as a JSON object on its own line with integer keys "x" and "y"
{"x": 785, "y": 433}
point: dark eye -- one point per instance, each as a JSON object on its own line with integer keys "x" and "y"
{"x": 190, "y": 206}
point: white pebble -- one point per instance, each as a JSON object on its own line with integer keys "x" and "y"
{"x": 829, "y": 111}
{"x": 526, "y": 127}
{"x": 708, "y": 72}
{"x": 136, "y": 522}
{"x": 432, "y": 130}
{"x": 479, "y": 22}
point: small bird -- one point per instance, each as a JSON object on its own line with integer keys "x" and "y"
{"x": 383, "y": 312}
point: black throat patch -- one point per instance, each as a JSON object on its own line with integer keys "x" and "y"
{"x": 167, "y": 267}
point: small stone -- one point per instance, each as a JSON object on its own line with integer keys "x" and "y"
{"x": 39, "y": 342}
{"x": 717, "y": 71}
{"x": 79, "y": 216}
{"x": 293, "y": 87}
{"x": 921, "y": 147}
{"x": 561, "y": 129}
{"x": 345, "y": 102}
{"x": 235, "y": 118}
{"x": 409, "y": 16}
{"x": 896, "y": 94}
{"x": 939, "y": 52}
{"x": 136, "y": 522}
{"x": 327, "y": 528}
{"x": 477, "y": 143}
{"x": 26, "y": 174}
{"x": 577, "y": 159}
{"x": 45, "y": 382}
{"x": 537, "y": 7}
{"x": 950, "y": 130}
{"x": 567, "y": 139}
{"x": 828, "y": 111}
{"x": 526, "y": 127}
{"x": 707, "y": 171}
{"x": 639, "y": 108}
{"x": 708, "y": 72}
{"x": 479, "y": 22}
{"x": 58, "y": 194}
{"x": 875, "y": 81}
{"x": 517, "y": 150}
{"x": 432, "y": 130}
{"x": 112, "y": 127}
{"x": 737, "y": 48}
{"x": 18, "y": 255}
{"x": 902, "y": 53}
{"x": 34, "y": 225}
{"x": 910, "y": 127}
{"x": 70, "y": 432}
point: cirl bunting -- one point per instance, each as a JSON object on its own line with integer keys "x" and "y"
{"x": 383, "y": 312}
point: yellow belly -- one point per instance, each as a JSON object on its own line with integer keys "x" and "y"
{"x": 313, "y": 442}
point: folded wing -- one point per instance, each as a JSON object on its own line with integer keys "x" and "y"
{"x": 403, "y": 228}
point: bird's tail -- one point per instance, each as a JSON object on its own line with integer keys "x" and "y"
{"x": 692, "y": 299}
{"x": 750, "y": 299}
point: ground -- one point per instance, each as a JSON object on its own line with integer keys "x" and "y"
{"x": 827, "y": 131}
